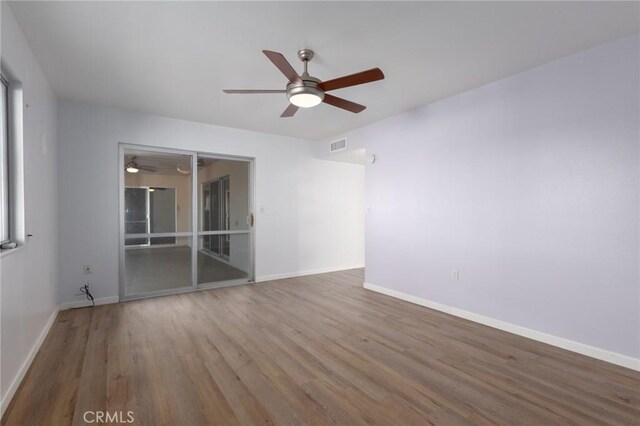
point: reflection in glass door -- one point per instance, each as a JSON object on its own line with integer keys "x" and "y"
{"x": 182, "y": 230}
{"x": 223, "y": 220}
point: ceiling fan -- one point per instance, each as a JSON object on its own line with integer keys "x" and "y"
{"x": 305, "y": 91}
{"x": 185, "y": 169}
{"x": 133, "y": 167}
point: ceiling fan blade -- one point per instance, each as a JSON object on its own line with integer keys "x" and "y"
{"x": 235, "y": 92}
{"x": 343, "y": 103}
{"x": 283, "y": 65}
{"x": 290, "y": 111}
{"x": 363, "y": 77}
{"x": 148, "y": 168}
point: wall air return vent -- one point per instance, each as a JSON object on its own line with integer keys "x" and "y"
{"x": 339, "y": 145}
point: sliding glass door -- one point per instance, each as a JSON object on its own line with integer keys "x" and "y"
{"x": 182, "y": 230}
{"x": 223, "y": 220}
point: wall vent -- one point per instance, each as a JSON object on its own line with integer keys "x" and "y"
{"x": 339, "y": 145}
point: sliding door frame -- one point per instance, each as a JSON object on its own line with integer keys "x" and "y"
{"x": 194, "y": 233}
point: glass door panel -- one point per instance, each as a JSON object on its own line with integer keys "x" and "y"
{"x": 159, "y": 267}
{"x": 214, "y": 269}
{"x": 158, "y": 237}
{"x": 223, "y": 227}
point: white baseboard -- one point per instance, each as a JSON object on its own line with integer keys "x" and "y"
{"x": 84, "y": 303}
{"x": 581, "y": 348}
{"x": 272, "y": 277}
{"x": 22, "y": 371}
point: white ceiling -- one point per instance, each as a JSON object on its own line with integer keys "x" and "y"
{"x": 174, "y": 58}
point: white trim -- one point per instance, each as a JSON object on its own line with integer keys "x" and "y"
{"x": 272, "y": 277}
{"x": 560, "y": 342}
{"x": 83, "y": 303}
{"x": 22, "y": 371}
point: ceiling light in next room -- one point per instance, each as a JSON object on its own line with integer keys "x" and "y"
{"x": 131, "y": 168}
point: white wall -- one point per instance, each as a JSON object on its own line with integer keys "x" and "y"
{"x": 529, "y": 186}
{"x": 28, "y": 275}
{"x": 309, "y": 211}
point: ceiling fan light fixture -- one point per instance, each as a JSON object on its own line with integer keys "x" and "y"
{"x": 305, "y": 100}
{"x": 132, "y": 167}
{"x": 305, "y": 96}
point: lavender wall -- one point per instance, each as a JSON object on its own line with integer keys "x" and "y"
{"x": 530, "y": 187}
{"x": 29, "y": 274}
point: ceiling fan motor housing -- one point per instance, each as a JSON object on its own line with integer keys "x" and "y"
{"x": 309, "y": 86}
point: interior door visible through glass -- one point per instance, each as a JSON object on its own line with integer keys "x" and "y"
{"x": 216, "y": 197}
{"x": 163, "y": 213}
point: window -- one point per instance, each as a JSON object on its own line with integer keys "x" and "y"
{"x": 5, "y": 210}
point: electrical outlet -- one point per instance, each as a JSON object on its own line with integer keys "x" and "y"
{"x": 455, "y": 275}
{"x": 88, "y": 269}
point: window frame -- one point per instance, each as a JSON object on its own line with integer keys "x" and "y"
{"x": 5, "y": 149}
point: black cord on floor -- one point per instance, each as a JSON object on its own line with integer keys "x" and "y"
{"x": 85, "y": 290}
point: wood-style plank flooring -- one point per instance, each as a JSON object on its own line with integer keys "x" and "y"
{"x": 311, "y": 350}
